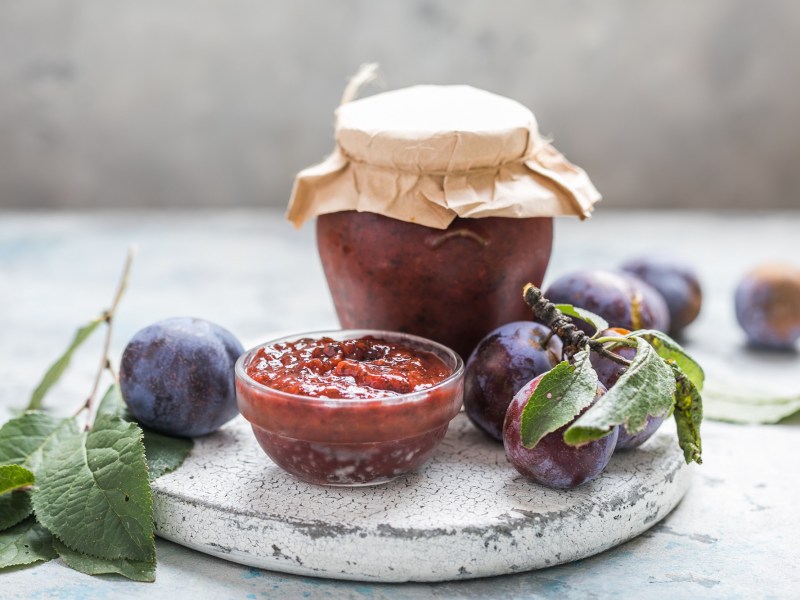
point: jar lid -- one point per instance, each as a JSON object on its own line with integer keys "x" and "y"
{"x": 435, "y": 129}
{"x": 428, "y": 154}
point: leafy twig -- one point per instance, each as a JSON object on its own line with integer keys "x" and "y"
{"x": 573, "y": 338}
{"x": 57, "y": 369}
{"x": 108, "y": 317}
{"x": 92, "y": 488}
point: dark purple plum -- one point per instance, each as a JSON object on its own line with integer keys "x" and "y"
{"x": 768, "y": 306}
{"x": 628, "y": 441}
{"x": 177, "y": 376}
{"x": 676, "y": 282}
{"x": 552, "y": 462}
{"x": 608, "y": 372}
{"x": 502, "y": 362}
{"x": 621, "y": 299}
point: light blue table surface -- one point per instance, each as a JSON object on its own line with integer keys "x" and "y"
{"x": 735, "y": 534}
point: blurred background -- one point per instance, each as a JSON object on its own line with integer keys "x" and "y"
{"x": 218, "y": 103}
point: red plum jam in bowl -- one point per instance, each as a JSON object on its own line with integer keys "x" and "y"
{"x": 350, "y": 407}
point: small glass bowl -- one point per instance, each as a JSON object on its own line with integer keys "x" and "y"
{"x": 351, "y": 442}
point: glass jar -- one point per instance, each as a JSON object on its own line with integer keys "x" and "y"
{"x": 351, "y": 441}
{"x": 453, "y": 286}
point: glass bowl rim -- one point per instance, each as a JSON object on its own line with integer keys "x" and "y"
{"x": 397, "y": 336}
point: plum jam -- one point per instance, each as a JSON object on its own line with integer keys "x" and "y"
{"x": 349, "y": 407}
{"x": 362, "y": 368}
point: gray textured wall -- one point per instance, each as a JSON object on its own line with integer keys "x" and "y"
{"x": 220, "y": 102}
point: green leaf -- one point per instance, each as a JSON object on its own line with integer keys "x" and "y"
{"x": 137, "y": 570}
{"x": 688, "y": 416}
{"x": 57, "y": 369}
{"x": 23, "y": 442}
{"x": 113, "y": 404}
{"x": 646, "y": 388}
{"x": 592, "y": 319}
{"x": 671, "y": 351}
{"x": 164, "y": 453}
{"x": 14, "y": 477}
{"x": 25, "y": 544}
{"x": 24, "y": 439}
{"x": 562, "y": 393}
{"x": 14, "y": 507}
{"x": 93, "y": 494}
{"x": 743, "y": 402}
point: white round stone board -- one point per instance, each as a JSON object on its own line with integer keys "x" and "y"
{"x": 465, "y": 514}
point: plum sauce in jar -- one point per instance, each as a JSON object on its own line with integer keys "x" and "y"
{"x": 452, "y": 286}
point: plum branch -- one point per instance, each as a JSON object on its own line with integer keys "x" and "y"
{"x": 108, "y": 317}
{"x": 563, "y": 326}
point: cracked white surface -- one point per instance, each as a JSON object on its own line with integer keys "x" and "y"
{"x": 466, "y": 514}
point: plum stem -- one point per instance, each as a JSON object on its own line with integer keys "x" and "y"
{"x": 617, "y": 341}
{"x": 573, "y": 338}
{"x": 105, "y": 362}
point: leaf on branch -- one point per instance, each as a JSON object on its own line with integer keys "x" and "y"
{"x": 22, "y": 443}
{"x": 25, "y": 544}
{"x": 164, "y": 453}
{"x": 592, "y": 319}
{"x": 23, "y": 440}
{"x": 14, "y": 477}
{"x": 92, "y": 492}
{"x": 688, "y": 416}
{"x": 671, "y": 351}
{"x": 112, "y": 404}
{"x": 646, "y": 388}
{"x": 137, "y": 570}
{"x": 562, "y": 393}
{"x": 57, "y": 369}
{"x": 15, "y": 504}
{"x": 14, "y": 507}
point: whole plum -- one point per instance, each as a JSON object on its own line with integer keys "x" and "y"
{"x": 552, "y": 462}
{"x": 177, "y": 376}
{"x": 608, "y": 372}
{"x": 768, "y": 305}
{"x": 500, "y": 365}
{"x": 621, "y": 299}
{"x": 677, "y": 283}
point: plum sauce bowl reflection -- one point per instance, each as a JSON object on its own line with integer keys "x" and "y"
{"x": 351, "y": 442}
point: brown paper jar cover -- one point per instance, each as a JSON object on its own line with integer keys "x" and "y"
{"x": 428, "y": 154}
